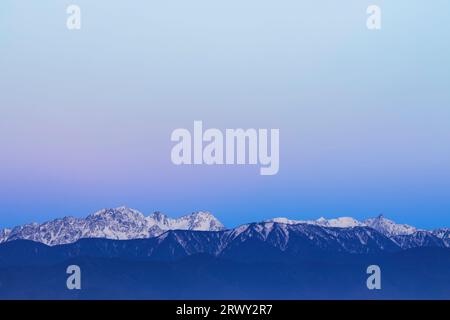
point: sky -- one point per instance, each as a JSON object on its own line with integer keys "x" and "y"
{"x": 364, "y": 116}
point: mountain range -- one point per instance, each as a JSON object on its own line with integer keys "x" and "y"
{"x": 127, "y": 224}
{"x": 120, "y": 223}
{"x": 124, "y": 254}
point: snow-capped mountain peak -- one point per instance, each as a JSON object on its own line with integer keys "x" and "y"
{"x": 200, "y": 220}
{"x": 121, "y": 223}
{"x": 343, "y": 222}
{"x": 117, "y": 215}
{"x": 389, "y": 227}
{"x": 120, "y": 211}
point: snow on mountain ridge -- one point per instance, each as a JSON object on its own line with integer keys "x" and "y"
{"x": 389, "y": 227}
{"x": 342, "y": 222}
{"x": 286, "y": 237}
{"x": 200, "y": 221}
{"x": 419, "y": 239}
{"x": 380, "y": 223}
{"x": 443, "y": 233}
{"x": 4, "y": 234}
{"x": 405, "y": 236}
{"x": 124, "y": 224}
{"x": 120, "y": 223}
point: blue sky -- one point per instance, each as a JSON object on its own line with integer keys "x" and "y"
{"x": 86, "y": 116}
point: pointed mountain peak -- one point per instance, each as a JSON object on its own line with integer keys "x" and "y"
{"x": 388, "y": 227}
{"x": 201, "y": 220}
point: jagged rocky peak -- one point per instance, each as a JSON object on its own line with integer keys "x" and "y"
{"x": 119, "y": 213}
{"x": 389, "y": 227}
{"x": 201, "y": 220}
